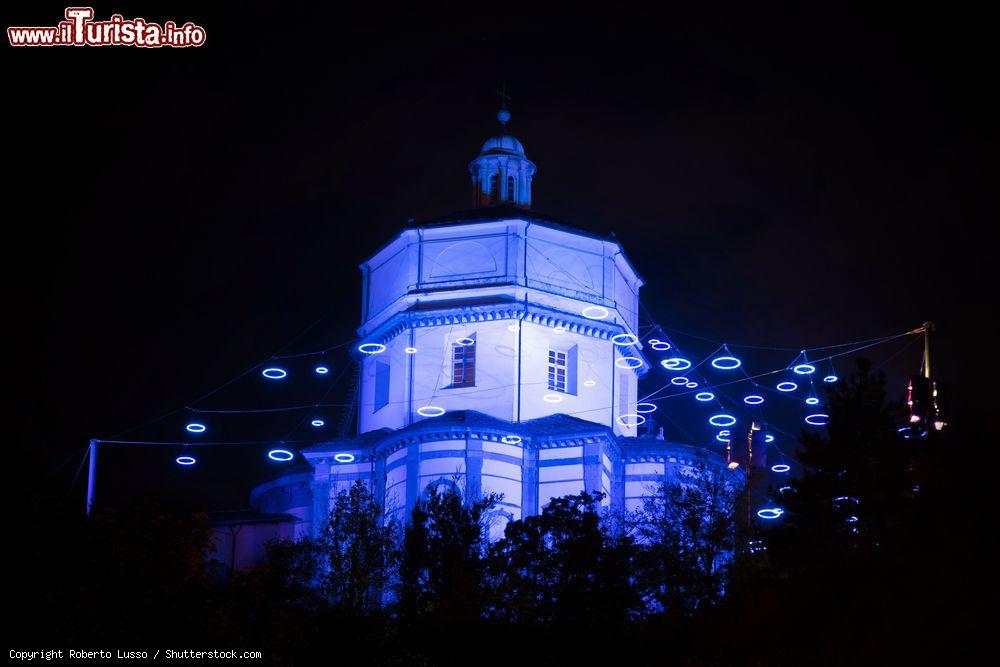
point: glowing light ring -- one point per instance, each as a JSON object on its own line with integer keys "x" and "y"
{"x": 830, "y": 378}
{"x": 624, "y": 419}
{"x": 343, "y": 457}
{"x": 410, "y": 350}
{"x": 692, "y": 385}
{"x": 274, "y": 373}
{"x": 726, "y": 363}
{"x": 786, "y": 489}
{"x": 318, "y": 422}
{"x": 630, "y": 362}
{"x": 511, "y": 440}
{"x": 818, "y": 419}
{"x": 464, "y": 341}
{"x": 322, "y": 370}
{"x": 753, "y": 399}
{"x": 645, "y": 408}
{"x": 371, "y": 348}
{"x": 722, "y": 420}
{"x": 280, "y": 455}
{"x": 704, "y": 396}
{"x": 851, "y": 519}
{"x": 595, "y": 312}
{"x": 781, "y": 467}
{"x": 679, "y": 381}
{"x": 185, "y": 460}
{"x": 195, "y": 427}
{"x": 770, "y": 513}
{"x": 589, "y": 383}
{"x": 659, "y": 345}
{"x": 430, "y": 411}
{"x": 768, "y": 438}
{"x": 552, "y": 398}
{"x": 723, "y": 436}
{"x": 624, "y": 339}
{"x": 786, "y": 386}
{"x": 812, "y": 400}
{"x": 676, "y": 364}
{"x": 804, "y": 369}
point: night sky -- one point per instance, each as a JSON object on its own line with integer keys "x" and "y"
{"x": 178, "y": 215}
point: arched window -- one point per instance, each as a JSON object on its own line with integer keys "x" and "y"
{"x": 510, "y": 189}
{"x": 494, "y": 187}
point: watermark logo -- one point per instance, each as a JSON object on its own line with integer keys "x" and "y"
{"x": 80, "y": 29}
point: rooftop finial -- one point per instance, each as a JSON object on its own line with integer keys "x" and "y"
{"x": 503, "y": 115}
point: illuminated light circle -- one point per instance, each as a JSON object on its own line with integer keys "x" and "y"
{"x": 318, "y": 422}
{"x": 595, "y": 312}
{"x": 552, "y": 398}
{"x": 464, "y": 341}
{"x": 645, "y": 408}
{"x": 631, "y": 419}
{"x": 280, "y": 455}
{"x": 704, "y": 396}
{"x": 343, "y": 457}
{"x": 722, "y": 420}
{"x": 322, "y": 370}
{"x": 274, "y": 373}
{"x": 818, "y": 419}
{"x": 679, "y": 381}
{"x": 589, "y": 383}
{"x": 804, "y": 369}
{"x": 830, "y": 378}
{"x": 659, "y": 345}
{"x": 726, "y": 363}
{"x": 770, "y": 513}
{"x": 723, "y": 436}
{"x": 628, "y": 362}
{"x": 186, "y": 460}
{"x": 624, "y": 339}
{"x": 676, "y": 364}
{"x": 753, "y": 399}
{"x": 812, "y": 400}
{"x": 692, "y": 385}
{"x": 786, "y": 386}
{"x": 768, "y": 438}
{"x": 781, "y": 467}
{"x": 410, "y": 350}
{"x": 851, "y": 519}
{"x": 195, "y": 427}
{"x": 371, "y": 348}
{"x": 511, "y": 440}
{"x": 430, "y": 411}
{"x": 786, "y": 489}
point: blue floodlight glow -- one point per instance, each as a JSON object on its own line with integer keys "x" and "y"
{"x": 692, "y": 385}
{"x": 280, "y": 455}
{"x": 318, "y": 422}
{"x": 753, "y": 399}
{"x": 595, "y": 312}
{"x": 186, "y": 460}
{"x": 343, "y": 457}
{"x": 430, "y": 411}
{"x": 322, "y": 370}
{"x": 195, "y": 427}
{"x": 786, "y": 386}
{"x": 726, "y": 363}
{"x": 676, "y": 364}
{"x": 812, "y": 400}
{"x": 552, "y": 398}
{"x": 659, "y": 345}
{"x": 371, "y": 348}
{"x": 624, "y": 339}
{"x": 631, "y": 419}
{"x": 818, "y": 419}
{"x": 274, "y": 373}
{"x": 768, "y": 438}
{"x": 770, "y": 513}
{"x": 704, "y": 396}
{"x": 410, "y": 350}
{"x": 589, "y": 383}
{"x": 511, "y": 440}
{"x": 830, "y": 378}
{"x": 804, "y": 369}
{"x": 645, "y": 408}
{"x": 628, "y": 363}
{"x": 781, "y": 467}
{"x": 679, "y": 381}
{"x": 722, "y": 420}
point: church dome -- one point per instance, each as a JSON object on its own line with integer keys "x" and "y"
{"x": 502, "y": 144}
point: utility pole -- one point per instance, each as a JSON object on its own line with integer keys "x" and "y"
{"x": 91, "y": 475}
{"x": 928, "y": 329}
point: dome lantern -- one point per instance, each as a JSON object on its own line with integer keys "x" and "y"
{"x": 502, "y": 173}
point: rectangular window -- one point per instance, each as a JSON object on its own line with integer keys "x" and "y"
{"x": 557, "y": 371}
{"x": 463, "y": 367}
{"x": 381, "y": 385}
